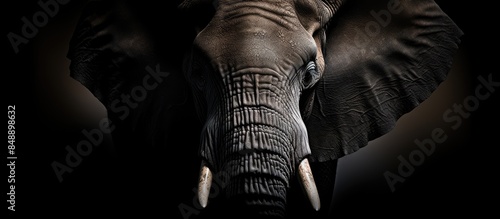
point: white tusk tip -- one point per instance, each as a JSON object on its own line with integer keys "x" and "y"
{"x": 204, "y": 185}
{"x": 308, "y": 184}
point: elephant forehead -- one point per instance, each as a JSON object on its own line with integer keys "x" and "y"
{"x": 252, "y": 41}
{"x": 280, "y": 12}
{"x": 254, "y": 52}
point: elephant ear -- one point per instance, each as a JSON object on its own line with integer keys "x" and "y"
{"x": 383, "y": 58}
{"x": 129, "y": 55}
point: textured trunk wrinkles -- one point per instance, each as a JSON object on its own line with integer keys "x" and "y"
{"x": 257, "y": 116}
{"x": 259, "y": 181}
{"x": 259, "y": 153}
{"x": 256, "y": 88}
{"x": 253, "y": 137}
{"x": 257, "y": 137}
{"x": 258, "y": 148}
{"x": 259, "y": 160}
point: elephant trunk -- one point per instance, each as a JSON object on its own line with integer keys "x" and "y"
{"x": 259, "y": 153}
{"x": 260, "y": 171}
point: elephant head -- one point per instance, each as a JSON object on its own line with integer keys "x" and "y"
{"x": 249, "y": 68}
{"x": 277, "y": 85}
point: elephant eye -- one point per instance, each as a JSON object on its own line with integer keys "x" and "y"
{"x": 311, "y": 75}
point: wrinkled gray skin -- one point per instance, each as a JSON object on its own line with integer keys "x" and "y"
{"x": 248, "y": 69}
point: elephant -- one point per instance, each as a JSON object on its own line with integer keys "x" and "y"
{"x": 270, "y": 93}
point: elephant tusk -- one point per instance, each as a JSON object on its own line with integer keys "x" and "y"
{"x": 308, "y": 184}
{"x": 204, "y": 185}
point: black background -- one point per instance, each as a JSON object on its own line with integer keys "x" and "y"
{"x": 454, "y": 181}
